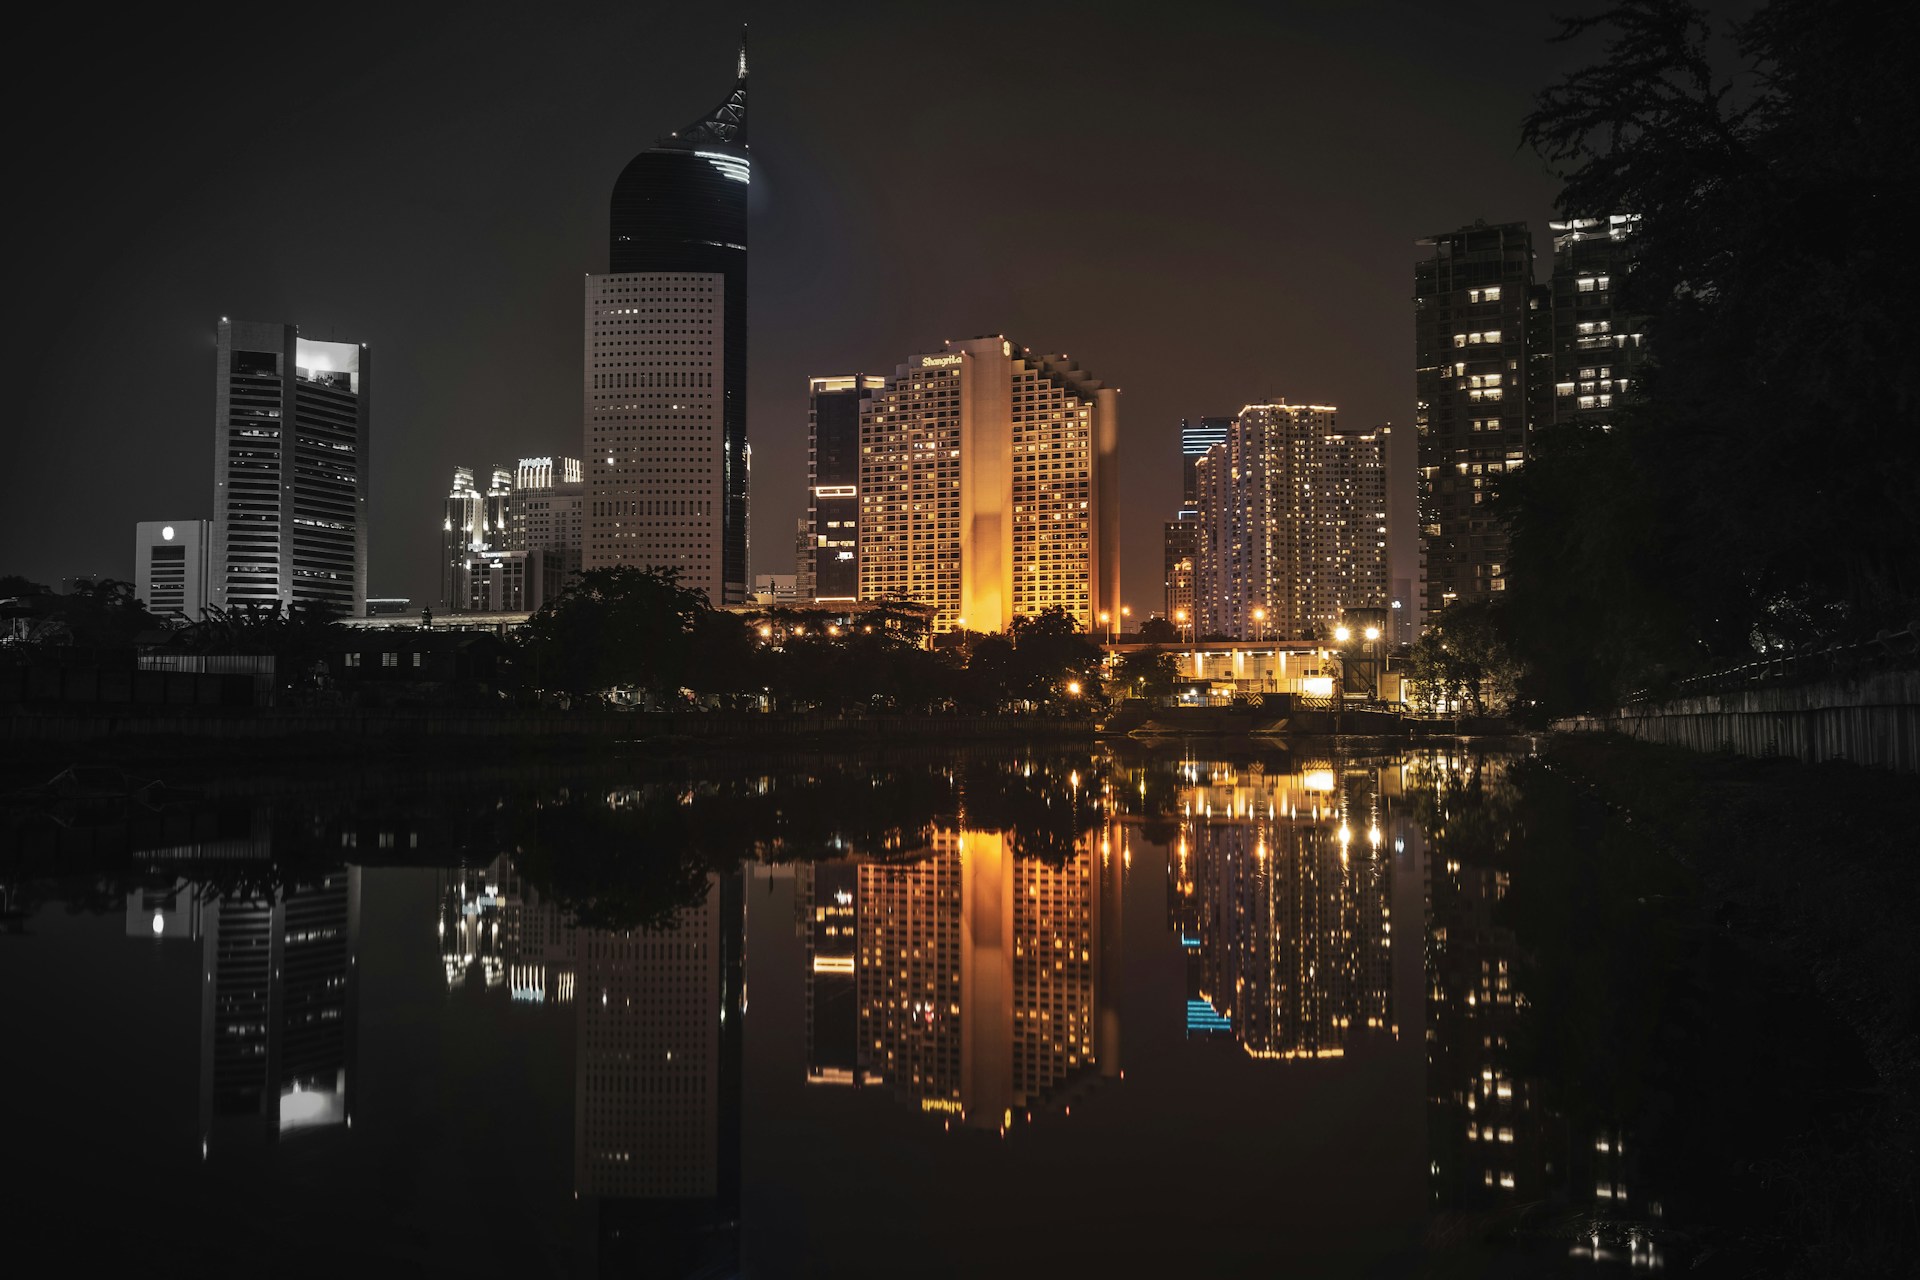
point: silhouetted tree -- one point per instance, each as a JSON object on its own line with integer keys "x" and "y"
{"x": 1758, "y": 489}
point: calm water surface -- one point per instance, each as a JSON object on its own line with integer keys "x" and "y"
{"x": 1197, "y": 1011}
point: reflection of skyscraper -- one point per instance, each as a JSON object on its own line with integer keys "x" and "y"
{"x": 985, "y": 981}
{"x": 1288, "y": 916}
{"x": 828, "y": 896}
{"x": 1483, "y": 1131}
{"x": 657, "y": 1103}
{"x": 275, "y": 1013}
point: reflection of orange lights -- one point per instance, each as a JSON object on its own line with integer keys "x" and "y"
{"x": 1317, "y": 780}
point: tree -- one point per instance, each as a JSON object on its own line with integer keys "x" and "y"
{"x": 1758, "y": 490}
{"x": 1147, "y": 673}
{"x": 617, "y": 627}
{"x": 1464, "y": 660}
{"x": 1051, "y": 655}
{"x": 1159, "y": 631}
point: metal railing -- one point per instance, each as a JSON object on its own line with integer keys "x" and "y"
{"x": 1887, "y": 651}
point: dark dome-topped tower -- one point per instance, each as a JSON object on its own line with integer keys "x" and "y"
{"x": 681, "y": 205}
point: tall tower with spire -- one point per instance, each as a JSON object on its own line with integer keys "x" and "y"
{"x": 665, "y": 378}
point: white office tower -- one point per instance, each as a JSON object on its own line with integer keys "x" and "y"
{"x": 656, "y": 448}
{"x": 291, "y": 466}
{"x": 170, "y": 567}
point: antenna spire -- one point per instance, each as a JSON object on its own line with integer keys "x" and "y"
{"x": 743, "y": 51}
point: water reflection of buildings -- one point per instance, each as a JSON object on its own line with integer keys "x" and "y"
{"x": 657, "y": 1034}
{"x": 977, "y": 984}
{"x": 276, "y": 998}
{"x": 1281, "y": 895}
{"x": 1483, "y": 1133}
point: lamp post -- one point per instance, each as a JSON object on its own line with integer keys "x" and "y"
{"x": 1260, "y": 620}
{"x": 1185, "y": 621}
{"x": 1126, "y": 611}
{"x": 1106, "y": 620}
{"x": 1372, "y": 635}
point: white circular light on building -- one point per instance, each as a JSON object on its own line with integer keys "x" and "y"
{"x": 159, "y": 924}
{"x": 166, "y": 534}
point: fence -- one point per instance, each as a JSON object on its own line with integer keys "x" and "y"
{"x": 1871, "y": 719}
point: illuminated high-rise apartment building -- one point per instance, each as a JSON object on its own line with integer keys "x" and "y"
{"x": 665, "y": 377}
{"x": 1597, "y": 346}
{"x": 829, "y": 561}
{"x": 290, "y": 440}
{"x": 989, "y": 487}
{"x": 1292, "y": 525}
{"x": 1478, "y": 326}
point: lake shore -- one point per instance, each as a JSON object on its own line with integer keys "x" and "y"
{"x": 1815, "y": 862}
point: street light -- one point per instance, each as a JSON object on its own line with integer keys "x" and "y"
{"x": 1185, "y": 620}
{"x": 1342, "y": 634}
{"x": 1373, "y": 633}
{"x": 1260, "y": 617}
{"x": 1106, "y": 620}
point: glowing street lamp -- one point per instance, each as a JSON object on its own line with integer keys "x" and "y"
{"x": 1342, "y": 634}
{"x": 1260, "y": 617}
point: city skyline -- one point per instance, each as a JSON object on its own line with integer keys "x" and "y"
{"x": 803, "y": 157}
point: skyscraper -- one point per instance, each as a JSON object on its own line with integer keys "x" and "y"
{"x": 831, "y": 560}
{"x": 1197, "y": 435}
{"x": 665, "y": 382}
{"x": 476, "y": 521}
{"x": 1182, "y": 545}
{"x": 549, "y": 499}
{"x": 1476, "y": 327}
{"x": 1292, "y": 525}
{"x": 1597, "y": 348}
{"x": 1181, "y": 535}
{"x": 170, "y": 567}
{"x": 290, "y": 460}
{"x": 989, "y": 487}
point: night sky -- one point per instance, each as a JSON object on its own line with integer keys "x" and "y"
{"x": 1203, "y": 204}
